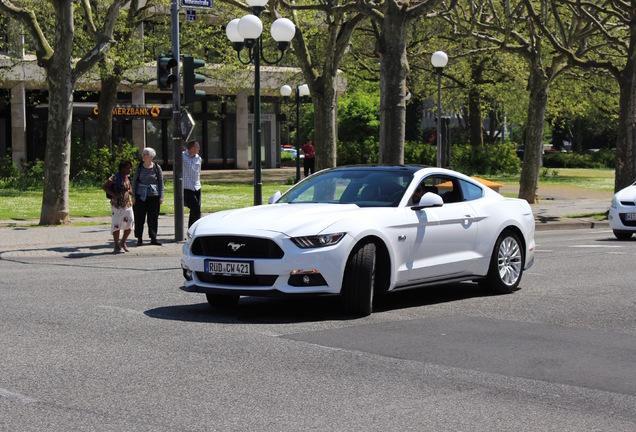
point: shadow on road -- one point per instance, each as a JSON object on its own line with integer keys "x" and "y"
{"x": 259, "y": 310}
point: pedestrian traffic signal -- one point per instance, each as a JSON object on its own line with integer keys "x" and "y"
{"x": 190, "y": 79}
{"x": 165, "y": 77}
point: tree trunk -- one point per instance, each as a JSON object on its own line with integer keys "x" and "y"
{"x": 324, "y": 98}
{"x": 577, "y": 136}
{"x": 533, "y": 145}
{"x": 474, "y": 118}
{"x": 394, "y": 68}
{"x": 626, "y": 133}
{"x": 61, "y": 82}
{"x": 107, "y": 101}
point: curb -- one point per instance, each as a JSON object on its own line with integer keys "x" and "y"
{"x": 542, "y": 225}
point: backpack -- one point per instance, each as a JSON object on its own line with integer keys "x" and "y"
{"x": 138, "y": 170}
{"x": 115, "y": 188}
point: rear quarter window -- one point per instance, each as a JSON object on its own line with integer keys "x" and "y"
{"x": 470, "y": 191}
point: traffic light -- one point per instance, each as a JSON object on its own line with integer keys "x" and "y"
{"x": 190, "y": 79}
{"x": 165, "y": 77}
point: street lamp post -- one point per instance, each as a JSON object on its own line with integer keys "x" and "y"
{"x": 301, "y": 90}
{"x": 246, "y": 32}
{"x": 439, "y": 60}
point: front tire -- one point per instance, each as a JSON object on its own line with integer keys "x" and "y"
{"x": 506, "y": 265}
{"x": 222, "y": 301}
{"x": 358, "y": 282}
{"x": 622, "y": 235}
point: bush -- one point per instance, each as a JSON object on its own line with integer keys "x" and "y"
{"x": 604, "y": 158}
{"x": 600, "y": 159}
{"x": 487, "y": 159}
{"x": 286, "y": 157}
{"x": 416, "y": 153}
{"x": 91, "y": 166}
{"x": 8, "y": 169}
{"x": 30, "y": 176}
{"x": 354, "y": 153}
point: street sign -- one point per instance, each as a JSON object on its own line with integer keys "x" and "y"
{"x": 187, "y": 124}
{"x": 191, "y": 15}
{"x": 196, "y": 3}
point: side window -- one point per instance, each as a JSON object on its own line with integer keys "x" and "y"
{"x": 448, "y": 188}
{"x": 471, "y": 191}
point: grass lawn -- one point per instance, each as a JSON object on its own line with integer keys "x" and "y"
{"x": 596, "y": 179}
{"x": 215, "y": 196}
{"x": 92, "y": 202}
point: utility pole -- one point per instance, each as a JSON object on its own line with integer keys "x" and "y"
{"x": 177, "y": 138}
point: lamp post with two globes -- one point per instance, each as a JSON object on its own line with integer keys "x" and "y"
{"x": 246, "y": 33}
{"x": 439, "y": 60}
{"x": 301, "y": 90}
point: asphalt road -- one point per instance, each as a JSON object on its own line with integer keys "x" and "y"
{"x": 109, "y": 343}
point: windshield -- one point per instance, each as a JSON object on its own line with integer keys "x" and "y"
{"x": 363, "y": 187}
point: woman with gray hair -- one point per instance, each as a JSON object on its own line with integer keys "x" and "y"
{"x": 147, "y": 196}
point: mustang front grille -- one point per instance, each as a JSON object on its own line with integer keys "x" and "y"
{"x": 236, "y": 247}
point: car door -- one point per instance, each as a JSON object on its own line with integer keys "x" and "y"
{"x": 443, "y": 239}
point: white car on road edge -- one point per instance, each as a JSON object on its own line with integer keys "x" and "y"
{"x": 622, "y": 212}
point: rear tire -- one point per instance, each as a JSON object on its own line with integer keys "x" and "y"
{"x": 358, "y": 282}
{"x": 622, "y": 235}
{"x": 222, "y": 301}
{"x": 506, "y": 265}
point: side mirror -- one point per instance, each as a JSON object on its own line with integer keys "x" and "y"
{"x": 274, "y": 197}
{"x": 429, "y": 199}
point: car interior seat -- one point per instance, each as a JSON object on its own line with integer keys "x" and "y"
{"x": 433, "y": 189}
{"x": 452, "y": 196}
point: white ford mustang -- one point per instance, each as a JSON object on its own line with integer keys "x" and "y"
{"x": 362, "y": 231}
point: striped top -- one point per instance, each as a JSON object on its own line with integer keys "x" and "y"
{"x": 145, "y": 177}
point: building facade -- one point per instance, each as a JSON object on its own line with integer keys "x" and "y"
{"x": 143, "y": 115}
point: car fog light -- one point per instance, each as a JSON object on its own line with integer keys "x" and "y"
{"x": 305, "y": 278}
{"x": 187, "y": 273}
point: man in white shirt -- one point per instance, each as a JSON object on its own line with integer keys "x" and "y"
{"x": 192, "y": 180}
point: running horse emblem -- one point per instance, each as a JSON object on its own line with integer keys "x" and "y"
{"x": 235, "y": 246}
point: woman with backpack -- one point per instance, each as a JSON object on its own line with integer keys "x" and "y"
{"x": 147, "y": 196}
{"x": 119, "y": 189}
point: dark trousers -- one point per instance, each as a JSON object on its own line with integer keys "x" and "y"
{"x": 192, "y": 200}
{"x": 308, "y": 164}
{"x": 149, "y": 210}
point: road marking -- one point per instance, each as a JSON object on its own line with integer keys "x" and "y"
{"x": 595, "y": 246}
{"x": 16, "y": 396}
{"x": 270, "y": 333}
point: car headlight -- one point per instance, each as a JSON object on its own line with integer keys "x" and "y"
{"x": 614, "y": 203}
{"x": 317, "y": 241}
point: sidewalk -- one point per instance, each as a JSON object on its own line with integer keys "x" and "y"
{"x": 91, "y": 237}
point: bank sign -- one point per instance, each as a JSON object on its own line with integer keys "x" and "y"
{"x": 135, "y": 111}
{"x": 196, "y": 3}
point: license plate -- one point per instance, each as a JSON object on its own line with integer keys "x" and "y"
{"x": 237, "y": 268}
{"x": 630, "y": 216}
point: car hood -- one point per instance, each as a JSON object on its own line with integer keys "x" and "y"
{"x": 628, "y": 194}
{"x": 289, "y": 219}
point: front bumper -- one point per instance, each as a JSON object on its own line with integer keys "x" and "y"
{"x": 300, "y": 271}
{"x": 617, "y": 218}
